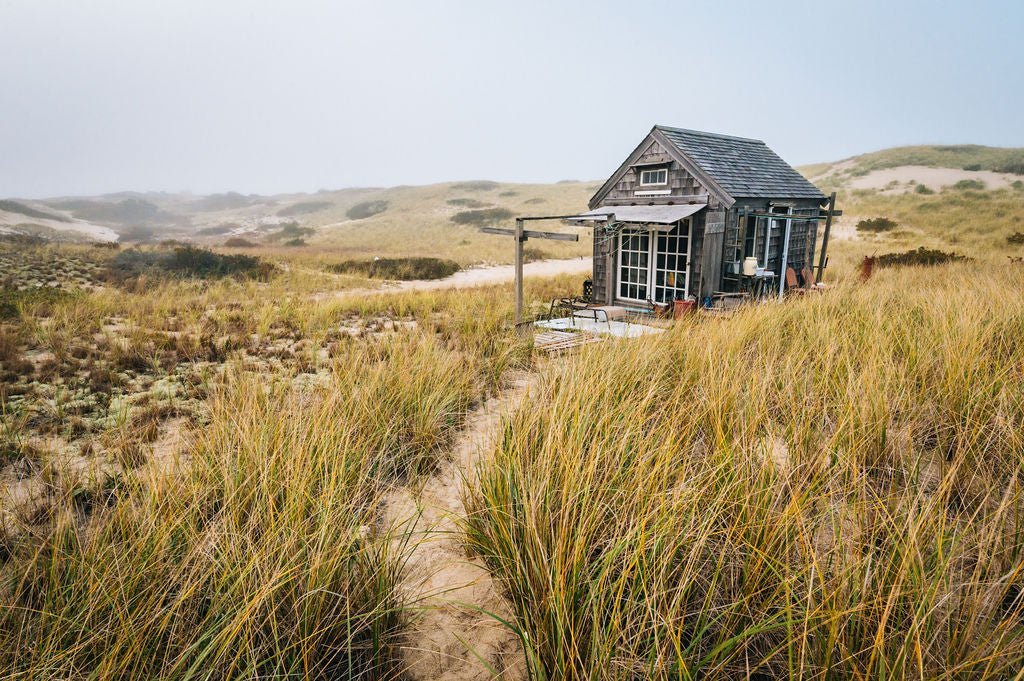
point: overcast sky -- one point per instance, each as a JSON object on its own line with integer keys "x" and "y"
{"x": 264, "y": 96}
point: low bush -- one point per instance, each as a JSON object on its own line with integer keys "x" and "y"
{"x": 923, "y": 189}
{"x": 1016, "y": 238}
{"x": 41, "y": 299}
{"x": 475, "y": 186}
{"x": 1014, "y": 167}
{"x": 290, "y": 231}
{"x": 482, "y": 217}
{"x": 919, "y": 256}
{"x": 239, "y": 242}
{"x": 401, "y": 269}
{"x": 877, "y": 225}
{"x": 366, "y": 209}
{"x": 304, "y": 208}
{"x": 217, "y": 230}
{"x": 969, "y": 184}
{"x": 972, "y": 166}
{"x": 466, "y": 203}
{"x": 187, "y": 262}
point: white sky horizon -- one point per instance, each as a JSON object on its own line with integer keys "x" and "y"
{"x": 286, "y": 97}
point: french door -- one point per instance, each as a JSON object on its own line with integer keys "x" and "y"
{"x": 654, "y": 265}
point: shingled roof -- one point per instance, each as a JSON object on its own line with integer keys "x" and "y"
{"x": 744, "y": 168}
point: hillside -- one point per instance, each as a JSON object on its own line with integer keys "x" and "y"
{"x": 441, "y": 219}
{"x": 964, "y": 197}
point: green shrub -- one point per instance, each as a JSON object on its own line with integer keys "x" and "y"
{"x": 920, "y": 256}
{"x": 923, "y": 189}
{"x": 217, "y": 230}
{"x": 225, "y": 201}
{"x": 508, "y": 194}
{"x": 466, "y": 203}
{"x": 186, "y": 262}
{"x": 1016, "y": 238}
{"x": 12, "y": 300}
{"x": 969, "y": 184}
{"x": 239, "y": 242}
{"x": 482, "y": 217}
{"x": 304, "y": 208}
{"x": 972, "y": 166}
{"x": 366, "y": 209}
{"x": 401, "y": 269}
{"x": 1014, "y": 167}
{"x": 289, "y": 232}
{"x": 877, "y": 225}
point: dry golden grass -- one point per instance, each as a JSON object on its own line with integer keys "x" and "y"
{"x": 822, "y": 488}
{"x": 828, "y": 487}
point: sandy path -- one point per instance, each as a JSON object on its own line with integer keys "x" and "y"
{"x": 452, "y": 638}
{"x": 497, "y": 274}
{"x": 474, "y": 276}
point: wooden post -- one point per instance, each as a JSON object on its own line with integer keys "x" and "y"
{"x": 519, "y": 270}
{"x": 711, "y": 261}
{"x": 522, "y": 235}
{"x": 824, "y": 238}
{"x": 785, "y": 258}
{"x": 609, "y": 261}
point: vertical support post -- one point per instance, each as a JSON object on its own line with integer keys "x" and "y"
{"x": 785, "y": 257}
{"x": 824, "y": 238}
{"x": 609, "y": 271}
{"x": 519, "y": 270}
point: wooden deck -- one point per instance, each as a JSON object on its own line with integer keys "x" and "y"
{"x": 553, "y": 342}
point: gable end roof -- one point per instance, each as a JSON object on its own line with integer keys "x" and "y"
{"x": 742, "y": 167}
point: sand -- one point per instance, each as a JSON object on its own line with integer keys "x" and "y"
{"x": 933, "y": 178}
{"x": 454, "y": 638}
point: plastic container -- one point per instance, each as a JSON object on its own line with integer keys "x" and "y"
{"x": 683, "y": 307}
{"x": 749, "y": 266}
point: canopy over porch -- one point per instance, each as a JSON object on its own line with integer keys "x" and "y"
{"x": 661, "y": 218}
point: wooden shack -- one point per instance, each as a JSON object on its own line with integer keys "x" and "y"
{"x": 681, "y": 214}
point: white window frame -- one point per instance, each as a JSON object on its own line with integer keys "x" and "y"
{"x": 644, "y": 171}
{"x": 652, "y": 262}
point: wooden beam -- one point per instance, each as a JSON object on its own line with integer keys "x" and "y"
{"x": 799, "y": 218}
{"x": 522, "y": 235}
{"x": 824, "y": 238}
{"x": 519, "y": 269}
{"x": 531, "y": 234}
{"x": 504, "y": 231}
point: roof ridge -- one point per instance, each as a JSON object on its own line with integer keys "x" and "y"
{"x": 707, "y": 134}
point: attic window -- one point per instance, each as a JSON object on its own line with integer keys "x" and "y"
{"x": 653, "y": 176}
